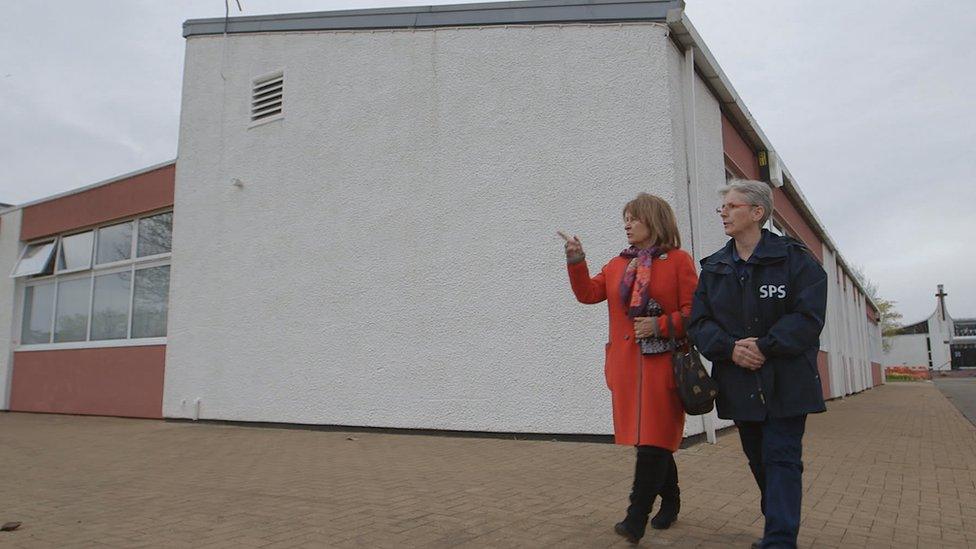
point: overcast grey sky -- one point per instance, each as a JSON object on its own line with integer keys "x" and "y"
{"x": 868, "y": 103}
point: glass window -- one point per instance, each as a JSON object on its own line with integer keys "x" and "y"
{"x": 155, "y": 235}
{"x": 110, "y": 306}
{"x": 150, "y": 302}
{"x": 71, "y": 323}
{"x": 38, "y": 309}
{"x": 113, "y": 298}
{"x": 76, "y": 251}
{"x": 114, "y": 243}
{"x": 36, "y": 260}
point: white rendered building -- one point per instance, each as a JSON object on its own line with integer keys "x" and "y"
{"x": 939, "y": 342}
{"x": 366, "y": 204}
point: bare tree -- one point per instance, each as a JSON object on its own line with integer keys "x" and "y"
{"x": 890, "y": 320}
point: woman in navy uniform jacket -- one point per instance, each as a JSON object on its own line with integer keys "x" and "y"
{"x": 757, "y": 315}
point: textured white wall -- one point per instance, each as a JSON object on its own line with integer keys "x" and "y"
{"x": 701, "y": 193}
{"x": 907, "y": 350}
{"x": 911, "y": 349}
{"x": 391, "y": 259}
{"x": 830, "y": 338}
{"x": 851, "y": 341}
{"x": 9, "y": 252}
{"x": 940, "y": 333}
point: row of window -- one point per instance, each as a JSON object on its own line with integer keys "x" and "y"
{"x": 139, "y": 238}
{"x": 127, "y": 304}
{"x": 108, "y": 283}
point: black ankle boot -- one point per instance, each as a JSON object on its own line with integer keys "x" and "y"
{"x": 650, "y": 475}
{"x": 633, "y": 526}
{"x": 668, "y": 513}
{"x": 624, "y": 531}
{"x": 670, "y": 500}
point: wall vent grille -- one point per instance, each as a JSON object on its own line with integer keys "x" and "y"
{"x": 266, "y": 97}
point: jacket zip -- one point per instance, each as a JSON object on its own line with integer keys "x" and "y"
{"x": 759, "y": 385}
{"x": 745, "y": 298}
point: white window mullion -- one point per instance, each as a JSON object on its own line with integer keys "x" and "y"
{"x": 54, "y": 314}
{"x": 132, "y": 292}
{"x": 135, "y": 238}
{"x": 57, "y": 255}
{"x": 94, "y": 261}
{"x": 91, "y": 305}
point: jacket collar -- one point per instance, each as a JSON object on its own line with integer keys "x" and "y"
{"x": 771, "y": 249}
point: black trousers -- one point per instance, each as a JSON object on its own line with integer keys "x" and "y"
{"x": 774, "y": 448}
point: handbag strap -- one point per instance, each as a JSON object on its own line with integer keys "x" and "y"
{"x": 674, "y": 341}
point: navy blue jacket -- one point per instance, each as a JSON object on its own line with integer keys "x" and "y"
{"x": 783, "y": 303}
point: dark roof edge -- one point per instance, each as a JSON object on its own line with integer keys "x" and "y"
{"x": 497, "y": 13}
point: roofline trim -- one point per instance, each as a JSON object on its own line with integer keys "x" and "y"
{"x": 454, "y": 15}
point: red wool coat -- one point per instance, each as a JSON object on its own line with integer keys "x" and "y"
{"x": 646, "y": 406}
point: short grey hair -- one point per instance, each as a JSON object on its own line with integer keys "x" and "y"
{"x": 756, "y": 193}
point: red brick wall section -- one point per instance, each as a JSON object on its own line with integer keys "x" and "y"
{"x": 823, "y": 369}
{"x": 872, "y": 314}
{"x": 741, "y": 160}
{"x": 788, "y": 215}
{"x": 877, "y": 374}
{"x": 739, "y": 156}
{"x": 113, "y": 381}
{"x": 127, "y": 197}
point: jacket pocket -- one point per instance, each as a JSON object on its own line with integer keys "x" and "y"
{"x": 606, "y": 365}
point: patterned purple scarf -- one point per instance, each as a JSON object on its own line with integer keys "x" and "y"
{"x": 635, "y": 285}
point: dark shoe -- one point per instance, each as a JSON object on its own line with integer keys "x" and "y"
{"x": 670, "y": 499}
{"x": 667, "y": 514}
{"x": 756, "y": 544}
{"x": 650, "y": 476}
{"x": 623, "y": 530}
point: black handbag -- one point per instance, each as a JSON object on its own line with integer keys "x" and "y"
{"x": 696, "y": 388}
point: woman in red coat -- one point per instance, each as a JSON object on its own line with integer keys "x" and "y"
{"x": 648, "y": 289}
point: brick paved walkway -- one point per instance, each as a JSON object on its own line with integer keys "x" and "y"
{"x": 894, "y": 466}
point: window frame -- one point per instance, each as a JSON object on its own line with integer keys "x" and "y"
{"x": 135, "y": 239}
{"x": 132, "y": 247}
{"x": 130, "y": 265}
{"x": 55, "y": 242}
{"x": 60, "y": 246}
{"x": 71, "y": 277}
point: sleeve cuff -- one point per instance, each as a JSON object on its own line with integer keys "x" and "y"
{"x": 731, "y": 346}
{"x": 764, "y": 343}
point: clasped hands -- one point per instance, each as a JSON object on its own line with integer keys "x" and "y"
{"x": 747, "y": 354}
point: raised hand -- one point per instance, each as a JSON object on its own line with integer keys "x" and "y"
{"x": 574, "y": 248}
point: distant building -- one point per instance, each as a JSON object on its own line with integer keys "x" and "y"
{"x": 939, "y": 342}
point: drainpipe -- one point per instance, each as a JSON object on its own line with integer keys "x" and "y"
{"x": 691, "y": 165}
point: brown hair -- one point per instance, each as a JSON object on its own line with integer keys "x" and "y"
{"x": 654, "y": 212}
